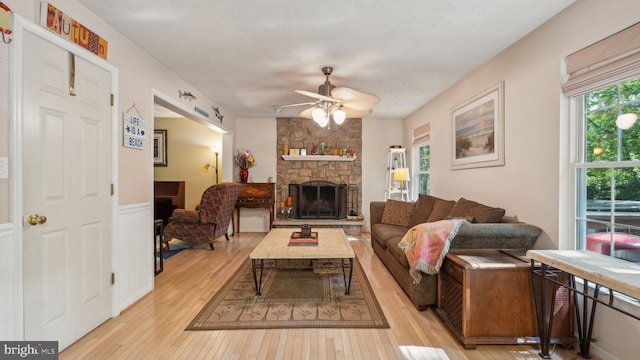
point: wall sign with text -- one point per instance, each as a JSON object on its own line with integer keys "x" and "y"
{"x": 133, "y": 131}
{"x": 65, "y": 26}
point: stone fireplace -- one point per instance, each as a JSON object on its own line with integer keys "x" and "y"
{"x": 318, "y": 200}
{"x": 300, "y": 133}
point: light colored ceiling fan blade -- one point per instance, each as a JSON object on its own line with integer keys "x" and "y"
{"x": 316, "y": 95}
{"x": 355, "y": 99}
{"x": 307, "y": 113}
{"x": 292, "y": 105}
{"x": 355, "y": 113}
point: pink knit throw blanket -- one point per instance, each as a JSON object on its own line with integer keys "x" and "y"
{"x": 426, "y": 245}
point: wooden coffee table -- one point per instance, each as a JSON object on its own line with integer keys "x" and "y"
{"x": 332, "y": 244}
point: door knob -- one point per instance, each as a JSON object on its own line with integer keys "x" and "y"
{"x": 35, "y": 219}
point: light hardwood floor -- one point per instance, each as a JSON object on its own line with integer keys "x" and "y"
{"x": 153, "y": 328}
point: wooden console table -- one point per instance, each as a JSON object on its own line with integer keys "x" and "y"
{"x": 256, "y": 196}
{"x": 603, "y": 271}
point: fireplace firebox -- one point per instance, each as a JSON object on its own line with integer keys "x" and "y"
{"x": 318, "y": 199}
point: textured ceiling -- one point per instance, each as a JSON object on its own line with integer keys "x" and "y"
{"x": 247, "y": 56}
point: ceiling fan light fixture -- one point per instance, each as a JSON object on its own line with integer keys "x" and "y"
{"x": 339, "y": 116}
{"x": 334, "y": 102}
{"x": 324, "y": 121}
{"x": 318, "y": 115}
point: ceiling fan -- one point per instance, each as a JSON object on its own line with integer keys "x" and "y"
{"x": 334, "y": 102}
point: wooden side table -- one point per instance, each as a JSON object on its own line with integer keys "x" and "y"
{"x": 256, "y": 196}
{"x": 485, "y": 297}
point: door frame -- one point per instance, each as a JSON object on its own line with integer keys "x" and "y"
{"x": 22, "y": 25}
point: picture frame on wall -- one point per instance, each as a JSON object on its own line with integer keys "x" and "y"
{"x": 160, "y": 148}
{"x": 478, "y": 130}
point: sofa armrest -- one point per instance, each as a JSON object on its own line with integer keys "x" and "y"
{"x": 497, "y": 236}
{"x": 376, "y": 208}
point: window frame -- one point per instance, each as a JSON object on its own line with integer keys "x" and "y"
{"x": 580, "y": 164}
{"x": 416, "y": 165}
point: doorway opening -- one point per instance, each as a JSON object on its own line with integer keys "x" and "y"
{"x": 187, "y": 157}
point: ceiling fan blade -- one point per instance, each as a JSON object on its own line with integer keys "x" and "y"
{"x": 292, "y": 105}
{"x": 316, "y": 95}
{"x": 355, "y": 113}
{"x": 355, "y": 99}
{"x": 307, "y": 113}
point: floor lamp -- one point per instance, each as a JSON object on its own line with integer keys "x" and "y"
{"x": 206, "y": 166}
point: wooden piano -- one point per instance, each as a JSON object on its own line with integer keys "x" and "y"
{"x": 256, "y": 196}
{"x": 167, "y": 196}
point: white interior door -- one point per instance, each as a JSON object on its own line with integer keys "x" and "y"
{"x": 67, "y": 179}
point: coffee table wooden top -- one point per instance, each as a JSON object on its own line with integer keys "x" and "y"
{"x": 332, "y": 244}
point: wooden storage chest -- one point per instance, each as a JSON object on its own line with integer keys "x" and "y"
{"x": 486, "y": 297}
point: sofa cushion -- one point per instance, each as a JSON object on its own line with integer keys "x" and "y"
{"x": 441, "y": 209}
{"x": 422, "y": 210}
{"x": 380, "y": 233}
{"x": 397, "y": 212}
{"x": 481, "y": 213}
{"x": 397, "y": 252}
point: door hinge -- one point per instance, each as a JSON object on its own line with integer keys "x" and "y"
{"x": 112, "y": 99}
{"x": 112, "y": 190}
{"x": 113, "y": 278}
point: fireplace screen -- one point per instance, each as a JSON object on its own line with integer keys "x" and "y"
{"x": 319, "y": 200}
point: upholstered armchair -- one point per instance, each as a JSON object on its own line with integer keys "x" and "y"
{"x": 209, "y": 221}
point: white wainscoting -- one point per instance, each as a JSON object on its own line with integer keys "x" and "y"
{"x": 10, "y": 306}
{"x": 133, "y": 254}
{"x": 133, "y": 264}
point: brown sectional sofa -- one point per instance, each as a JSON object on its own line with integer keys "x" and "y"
{"x": 488, "y": 228}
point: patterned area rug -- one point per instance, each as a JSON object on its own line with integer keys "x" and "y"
{"x": 291, "y": 298}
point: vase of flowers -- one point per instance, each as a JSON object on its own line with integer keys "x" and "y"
{"x": 244, "y": 161}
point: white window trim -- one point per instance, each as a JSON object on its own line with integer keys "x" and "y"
{"x": 415, "y": 163}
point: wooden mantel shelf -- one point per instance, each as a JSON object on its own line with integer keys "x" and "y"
{"x": 317, "y": 158}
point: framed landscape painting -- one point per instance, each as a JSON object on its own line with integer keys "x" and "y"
{"x": 478, "y": 130}
{"x": 160, "y": 148}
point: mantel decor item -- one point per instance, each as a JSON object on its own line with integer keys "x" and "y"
{"x": 478, "y": 130}
{"x": 160, "y": 148}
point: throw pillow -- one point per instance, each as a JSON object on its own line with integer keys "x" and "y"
{"x": 422, "y": 210}
{"x": 397, "y": 212}
{"x": 481, "y": 213}
{"x": 441, "y": 209}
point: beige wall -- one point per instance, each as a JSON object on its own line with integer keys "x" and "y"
{"x": 534, "y": 183}
{"x": 188, "y": 149}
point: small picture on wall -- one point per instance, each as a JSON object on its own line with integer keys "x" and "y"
{"x": 160, "y": 148}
